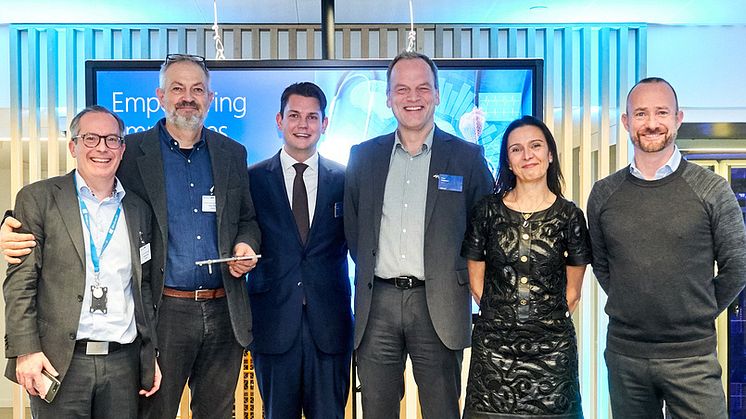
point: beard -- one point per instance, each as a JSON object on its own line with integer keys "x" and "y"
{"x": 653, "y": 146}
{"x": 192, "y": 122}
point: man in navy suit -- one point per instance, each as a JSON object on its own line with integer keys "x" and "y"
{"x": 300, "y": 292}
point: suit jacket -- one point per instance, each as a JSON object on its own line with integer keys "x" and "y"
{"x": 44, "y": 293}
{"x": 290, "y": 271}
{"x": 142, "y": 172}
{"x": 446, "y": 216}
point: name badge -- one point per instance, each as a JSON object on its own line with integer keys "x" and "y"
{"x": 209, "y": 204}
{"x": 452, "y": 183}
{"x": 144, "y": 253}
{"x": 338, "y": 210}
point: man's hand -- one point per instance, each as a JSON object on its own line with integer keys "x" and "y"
{"x": 238, "y": 268}
{"x": 28, "y": 371}
{"x": 156, "y": 382}
{"x": 15, "y": 245}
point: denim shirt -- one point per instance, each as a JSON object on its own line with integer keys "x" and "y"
{"x": 192, "y": 232}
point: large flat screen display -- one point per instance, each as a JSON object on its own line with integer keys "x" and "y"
{"x": 478, "y": 98}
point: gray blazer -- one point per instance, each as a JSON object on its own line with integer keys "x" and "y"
{"x": 44, "y": 293}
{"x": 446, "y": 216}
{"x": 142, "y": 172}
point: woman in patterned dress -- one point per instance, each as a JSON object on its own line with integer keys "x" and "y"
{"x": 527, "y": 249}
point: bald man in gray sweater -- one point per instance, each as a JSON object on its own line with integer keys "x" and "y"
{"x": 658, "y": 227}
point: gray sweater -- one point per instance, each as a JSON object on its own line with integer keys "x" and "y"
{"x": 655, "y": 244}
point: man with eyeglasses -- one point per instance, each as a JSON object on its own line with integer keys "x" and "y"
{"x": 79, "y": 307}
{"x": 197, "y": 184}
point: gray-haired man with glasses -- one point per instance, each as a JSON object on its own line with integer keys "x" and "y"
{"x": 79, "y": 309}
{"x": 197, "y": 184}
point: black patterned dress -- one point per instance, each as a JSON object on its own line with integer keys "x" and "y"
{"x": 524, "y": 359}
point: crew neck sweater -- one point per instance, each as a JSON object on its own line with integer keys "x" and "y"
{"x": 655, "y": 246}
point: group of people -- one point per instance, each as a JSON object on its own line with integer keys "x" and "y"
{"x": 111, "y": 305}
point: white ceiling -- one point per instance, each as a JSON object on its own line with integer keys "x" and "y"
{"x": 673, "y": 12}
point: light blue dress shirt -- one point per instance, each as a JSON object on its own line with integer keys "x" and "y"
{"x": 118, "y": 324}
{"x": 671, "y": 165}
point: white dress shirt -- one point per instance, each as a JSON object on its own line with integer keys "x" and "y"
{"x": 310, "y": 177}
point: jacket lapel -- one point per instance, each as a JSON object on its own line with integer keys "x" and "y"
{"x": 380, "y": 162}
{"x": 66, "y": 198}
{"x": 131, "y": 215}
{"x": 438, "y": 165}
{"x": 324, "y": 202}
{"x": 150, "y": 165}
{"x": 277, "y": 195}
{"x": 220, "y": 170}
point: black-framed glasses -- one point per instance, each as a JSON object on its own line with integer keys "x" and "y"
{"x": 91, "y": 140}
{"x": 173, "y": 58}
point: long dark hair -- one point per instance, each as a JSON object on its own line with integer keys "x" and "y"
{"x": 505, "y": 177}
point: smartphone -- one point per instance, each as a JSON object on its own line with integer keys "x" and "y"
{"x": 51, "y": 385}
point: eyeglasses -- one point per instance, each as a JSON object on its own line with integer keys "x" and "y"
{"x": 173, "y": 58}
{"x": 91, "y": 140}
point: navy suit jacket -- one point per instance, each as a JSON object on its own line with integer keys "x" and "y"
{"x": 446, "y": 216}
{"x": 289, "y": 271}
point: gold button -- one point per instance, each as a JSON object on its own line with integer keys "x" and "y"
{"x": 525, "y": 236}
{"x": 524, "y": 259}
{"x": 524, "y": 280}
{"x": 524, "y": 302}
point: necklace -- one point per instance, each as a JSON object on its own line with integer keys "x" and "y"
{"x": 527, "y": 215}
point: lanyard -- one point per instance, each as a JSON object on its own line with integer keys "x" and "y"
{"x": 95, "y": 255}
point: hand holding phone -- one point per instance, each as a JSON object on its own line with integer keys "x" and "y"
{"x": 50, "y": 385}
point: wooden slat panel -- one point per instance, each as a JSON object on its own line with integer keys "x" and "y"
{"x": 494, "y": 41}
{"x": 566, "y": 139}
{"x": 108, "y": 43}
{"x": 586, "y": 111}
{"x": 346, "y": 40}
{"x": 310, "y": 43}
{"x": 16, "y": 119}
{"x": 365, "y": 42}
{"x": 200, "y": 50}
{"x": 273, "y": 44}
{"x": 126, "y": 43}
{"x": 512, "y": 42}
{"x": 383, "y": 42}
{"x": 622, "y": 144}
{"x": 71, "y": 84}
{"x": 53, "y": 149}
{"x": 292, "y": 44}
{"x": 144, "y": 43}
{"x": 33, "y": 100}
{"x": 181, "y": 41}
{"x": 549, "y": 63}
{"x": 456, "y": 45}
{"x": 162, "y": 43}
{"x": 604, "y": 85}
{"x": 531, "y": 42}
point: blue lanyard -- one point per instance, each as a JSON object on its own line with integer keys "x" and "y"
{"x": 96, "y": 256}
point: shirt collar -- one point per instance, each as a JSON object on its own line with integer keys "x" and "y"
{"x": 428, "y": 144}
{"x": 87, "y": 193}
{"x": 287, "y": 161}
{"x": 669, "y": 167}
{"x": 172, "y": 143}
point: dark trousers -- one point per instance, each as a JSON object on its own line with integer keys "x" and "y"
{"x": 197, "y": 344}
{"x": 303, "y": 378}
{"x": 399, "y": 324}
{"x": 98, "y": 387}
{"x": 691, "y": 387}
